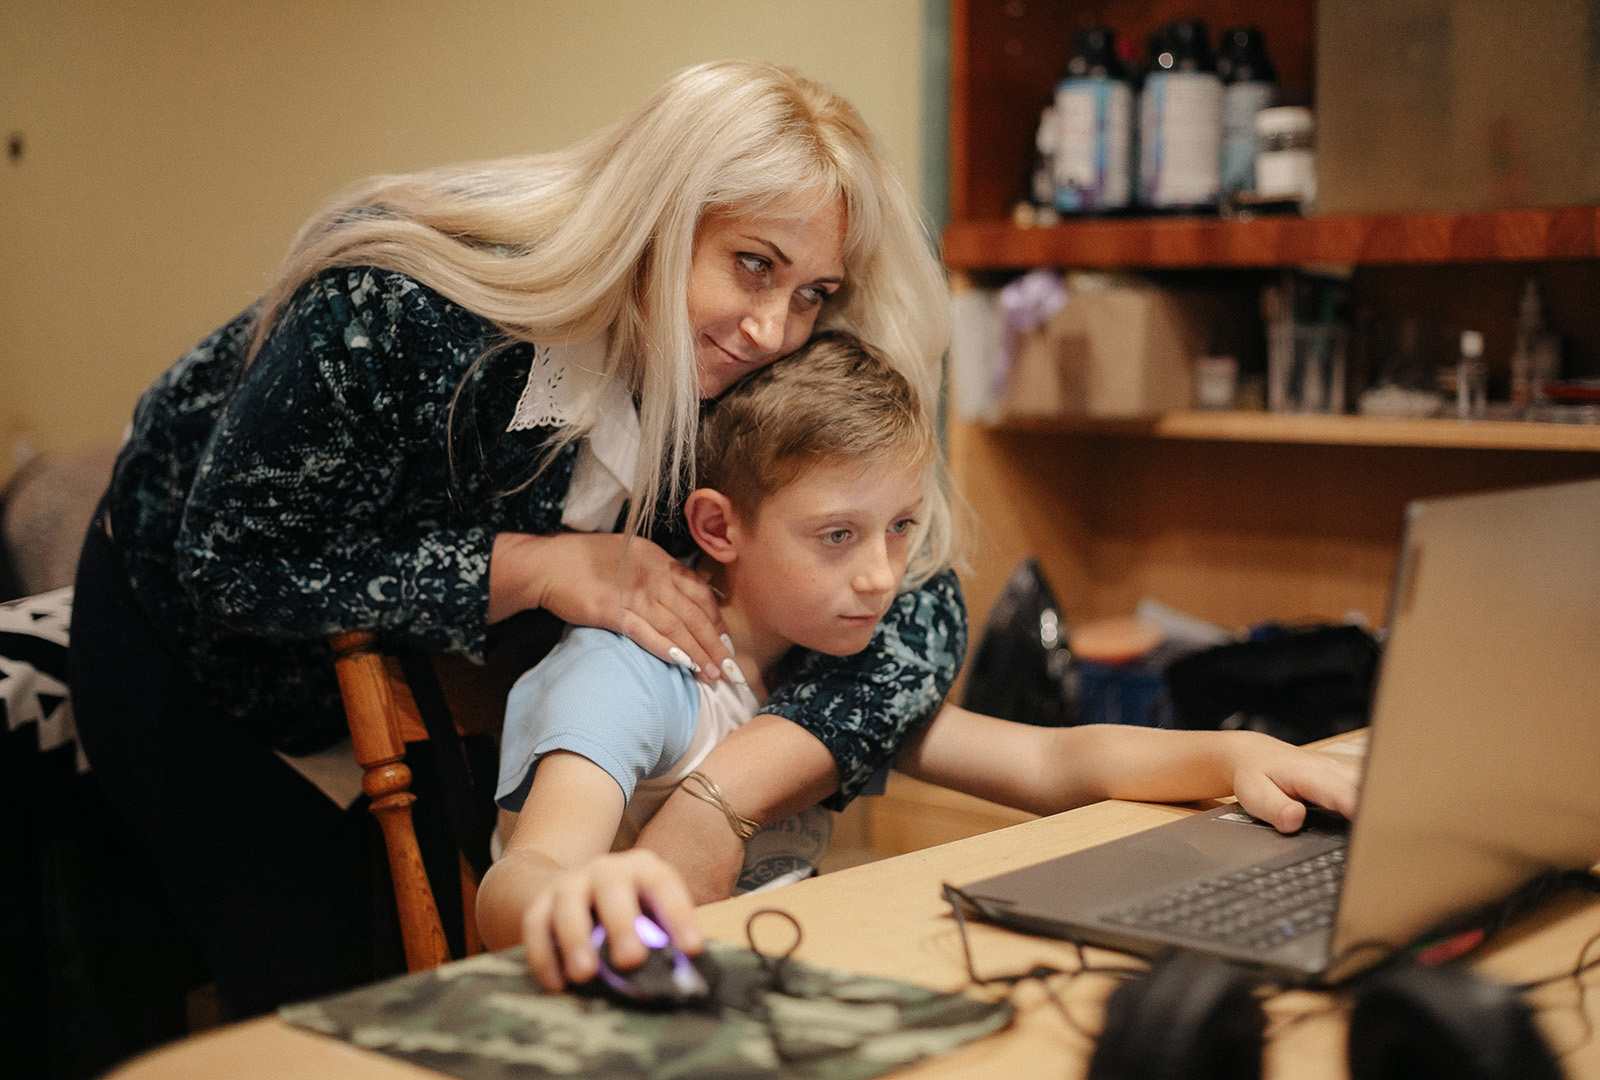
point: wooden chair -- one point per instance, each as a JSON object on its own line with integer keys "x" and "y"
{"x": 383, "y": 717}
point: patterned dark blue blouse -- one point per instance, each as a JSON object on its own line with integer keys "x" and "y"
{"x": 260, "y": 510}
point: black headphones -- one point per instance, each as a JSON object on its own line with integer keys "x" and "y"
{"x": 1197, "y": 1018}
{"x": 1430, "y": 1023}
{"x": 1190, "y": 1017}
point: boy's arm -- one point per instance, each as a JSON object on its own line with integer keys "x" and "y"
{"x": 767, "y": 769}
{"x": 1047, "y": 770}
{"x": 557, "y": 876}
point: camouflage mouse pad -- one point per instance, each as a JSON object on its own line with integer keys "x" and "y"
{"x": 486, "y": 1019}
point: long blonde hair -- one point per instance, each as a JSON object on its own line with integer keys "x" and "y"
{"x": 597, "y": 240}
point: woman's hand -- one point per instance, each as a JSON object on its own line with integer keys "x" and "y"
{"x": 1274, "y": 780}
{"x": 618, "y": 887}
{"x": 604, "y": 579}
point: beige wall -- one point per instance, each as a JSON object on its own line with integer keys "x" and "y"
{"x": 173, "y": 148}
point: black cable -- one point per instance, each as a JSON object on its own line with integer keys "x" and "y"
{"x": 772, "y": 964}
{"x": 1584, "y": 963}
{"x": 1042, "y": 973}
{"x": 1585, "y": 879}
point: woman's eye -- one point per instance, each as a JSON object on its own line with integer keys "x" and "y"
{"x": 813, "y": 295}
{"x": 755, "y": 264}
{"x": 903, "y": 526}
{"x": 834, "y": 537}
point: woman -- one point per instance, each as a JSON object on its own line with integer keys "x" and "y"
{"x": 460, "y": 383}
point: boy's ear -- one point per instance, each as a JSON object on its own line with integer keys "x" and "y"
{"x": 713, "y": 523}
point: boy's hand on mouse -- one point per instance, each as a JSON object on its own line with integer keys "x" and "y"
{"x": 617, "y": 887}
{"x": 1273, "y": 780}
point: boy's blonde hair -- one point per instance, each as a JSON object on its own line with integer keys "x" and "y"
{"x": 598, "y": 238}
{"x": 835, "y": 400}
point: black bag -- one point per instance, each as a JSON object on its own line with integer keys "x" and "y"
{"x": 1300, "y": 684}
{"x": 1022, "y": 669}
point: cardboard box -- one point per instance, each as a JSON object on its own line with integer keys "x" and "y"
{"x": 1121, "y": 350}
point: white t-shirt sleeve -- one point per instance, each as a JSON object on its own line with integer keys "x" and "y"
{"x": 599, "y": 695}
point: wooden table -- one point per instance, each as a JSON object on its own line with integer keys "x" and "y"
{"x": 887, "y": 918}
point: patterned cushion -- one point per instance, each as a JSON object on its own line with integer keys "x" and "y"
{"x": 33, "y": 668}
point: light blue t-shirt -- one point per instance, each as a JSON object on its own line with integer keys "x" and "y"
{"x": 599, "y": 695}
{"x": 648, "y": 724}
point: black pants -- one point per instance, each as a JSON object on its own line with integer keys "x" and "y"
{"x": 284, "y": 895}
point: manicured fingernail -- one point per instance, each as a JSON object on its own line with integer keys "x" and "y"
{"x": 731, "y": 670}
{"x": 681, "y": 658}
{"x": 727, "y": 643}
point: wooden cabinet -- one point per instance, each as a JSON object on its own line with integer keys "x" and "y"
{"x": 1233, "y": 517}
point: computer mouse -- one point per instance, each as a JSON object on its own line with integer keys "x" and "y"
{"x": 668, "y": 978}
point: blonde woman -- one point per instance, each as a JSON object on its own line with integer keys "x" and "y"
{"x": 472, "y": 393}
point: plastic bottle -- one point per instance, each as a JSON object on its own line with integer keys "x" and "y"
{"x": 1536, "y": 356}
{"x": 1138, "y": 75}
{"x": 1472, "y": 378}
{"x": 1180, "y": 121}
{"x": 1249, "y": 84}
{"x": 1040, "y": 206}
{"x": 1530, "y": 321}
{"x": 1094, "y": 110}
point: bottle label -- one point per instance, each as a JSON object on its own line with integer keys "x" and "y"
{"x": 1240, "y": 103}
{"x": 1180, "y": 139}
{"x": 1092, "y": 168}
{"x": 1286, "y": 174}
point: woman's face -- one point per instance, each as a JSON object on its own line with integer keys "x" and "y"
{"x": 757, "y": 284}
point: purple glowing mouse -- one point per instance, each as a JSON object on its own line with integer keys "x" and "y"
{"x": 668, "y": 977}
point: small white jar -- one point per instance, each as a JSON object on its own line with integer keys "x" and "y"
{"x": 1286, "y": 163}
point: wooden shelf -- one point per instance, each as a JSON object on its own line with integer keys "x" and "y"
{"x": 1201, "y": 242}
{"x": 1325, "y": 430}
{"x": 1236, "y": 518}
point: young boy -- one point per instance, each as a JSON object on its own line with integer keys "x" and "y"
{"x": 812, "y": 474}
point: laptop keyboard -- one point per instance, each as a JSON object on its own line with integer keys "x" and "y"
{"x": 1253, "y": 908}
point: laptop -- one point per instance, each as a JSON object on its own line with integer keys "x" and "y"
{"x": 1482, "y": 772}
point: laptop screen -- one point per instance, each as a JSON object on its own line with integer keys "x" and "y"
{"x": 1482, "y": 770}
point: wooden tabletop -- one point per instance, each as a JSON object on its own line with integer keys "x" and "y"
{"x": 887, "y": 918}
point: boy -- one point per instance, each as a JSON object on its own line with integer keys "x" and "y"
{"x": 812, "y": 474}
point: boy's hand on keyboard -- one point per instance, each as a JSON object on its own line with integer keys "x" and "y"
{"x": 1274, "y": 780}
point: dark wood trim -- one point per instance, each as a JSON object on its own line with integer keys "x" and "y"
{"x": 1566, "y": 232}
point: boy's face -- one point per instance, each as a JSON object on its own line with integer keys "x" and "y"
{"x": 823, "y": 559}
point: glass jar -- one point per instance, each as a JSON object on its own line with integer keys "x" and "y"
{"x": 1285, "y": 156}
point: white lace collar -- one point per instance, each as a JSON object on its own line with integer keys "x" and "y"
{"x": 562, "y": 379}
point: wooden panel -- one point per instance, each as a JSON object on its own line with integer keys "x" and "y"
{"x": 1236, "y": 533}
{"x": 1007, "y": 54}
{"x": 1376, "y": 239}
{"x": 912, "y": 815}
{"x": 1006, "y": 511}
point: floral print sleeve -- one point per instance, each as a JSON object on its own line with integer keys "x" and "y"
{"x": 862, "y": 707}
{"x": 260, "y": 508}
{"x": 297, "y": 525}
